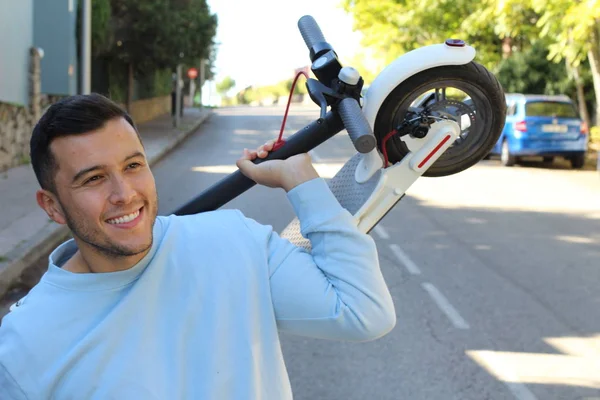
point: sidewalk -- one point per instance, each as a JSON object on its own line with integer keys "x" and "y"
{"x": 26, "y": 232}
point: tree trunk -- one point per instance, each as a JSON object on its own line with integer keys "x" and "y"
{"x": 507, "y": 47}
{"x": 129, "y": 86}
{"x": 594, "y": 57}
{"x": 583, "y": 110}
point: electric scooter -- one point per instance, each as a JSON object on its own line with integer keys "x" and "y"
{"x": 432, "y": 112}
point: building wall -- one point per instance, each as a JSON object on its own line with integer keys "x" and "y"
{"x": 17, "y": 122}
{"x": 55, "y": 32}
{"x": 16, "y": 24}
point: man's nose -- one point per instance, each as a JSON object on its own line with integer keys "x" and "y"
{"x": 122, "y": 191}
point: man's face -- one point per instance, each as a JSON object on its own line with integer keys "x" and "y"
{"x": 106, "y": 190}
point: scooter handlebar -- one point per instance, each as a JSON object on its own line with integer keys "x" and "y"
{"x": 357, "y": 125}
{"x": 310, "y": 31}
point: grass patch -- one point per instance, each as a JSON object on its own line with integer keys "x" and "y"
{"x": 24, "y": 160}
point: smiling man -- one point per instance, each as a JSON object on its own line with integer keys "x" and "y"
{"x": 140, "y": 306}
{"x": 108, "y": 202}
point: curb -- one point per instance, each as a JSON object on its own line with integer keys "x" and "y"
{"x": 20, "y": 269}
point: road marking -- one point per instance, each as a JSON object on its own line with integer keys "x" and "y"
{"x": 410, "y": 266}
{"x": 381, "y": 232}
{"x": 493, "y": 362}
{"x": 445, "y": 306}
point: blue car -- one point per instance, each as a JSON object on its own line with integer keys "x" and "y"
{"x": 544, "y": 126}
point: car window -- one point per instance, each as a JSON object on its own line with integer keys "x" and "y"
{"x": 550, "y": 109}
{"x": 512, "y": 109}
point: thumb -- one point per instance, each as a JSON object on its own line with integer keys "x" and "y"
{"x": 247, "y": 167}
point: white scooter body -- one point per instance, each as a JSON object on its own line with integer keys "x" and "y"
{"x": 366, "y": 189}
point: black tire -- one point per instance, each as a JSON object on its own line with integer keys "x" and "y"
{"x": 578, "y": 160}
{"x": 489, "y": 102}
{"x": 548, "y": 159}
{"x": 507, "y": 159}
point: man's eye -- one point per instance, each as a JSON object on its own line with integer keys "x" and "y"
{"x": 134, "y": 165}
{"x": 93, "y": 179}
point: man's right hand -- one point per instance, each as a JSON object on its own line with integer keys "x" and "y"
{"x": 286, "y": 174}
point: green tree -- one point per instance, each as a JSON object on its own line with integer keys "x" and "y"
{"x": 529, "y": 71}
{"x": 394, "y": 27}
{"x": 162, "y": 33}
{"x": 573, "y": 28}
{"x": 225, "y": 85}
{"x": 146, "y": 36}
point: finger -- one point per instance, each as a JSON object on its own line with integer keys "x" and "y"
{"x": 261, "y": 152}
{"x": 249, "y": 169}
{"x": 245, "y": 166}
{"x": 269, "y": 145}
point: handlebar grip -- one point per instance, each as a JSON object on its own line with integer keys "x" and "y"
{"x": 310, "y": 31}
{"x": 357, "y": 125}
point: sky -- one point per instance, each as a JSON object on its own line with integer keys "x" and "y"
{"x": 259, "y": 40}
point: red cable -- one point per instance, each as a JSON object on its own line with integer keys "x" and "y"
{"x": 280, "y": 142}
{"x": 384, "y": 147}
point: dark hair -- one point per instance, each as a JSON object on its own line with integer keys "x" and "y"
{"x": 69, "y": 116}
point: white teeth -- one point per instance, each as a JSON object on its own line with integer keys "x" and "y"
{"x": 124, "y": 219}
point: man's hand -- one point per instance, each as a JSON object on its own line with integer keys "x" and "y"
{"x": 286, "y": 174}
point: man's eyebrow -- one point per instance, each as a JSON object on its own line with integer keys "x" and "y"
{"x": 136, "y": 154}
{"x": 85, "y": 171}
{"x": 95, "y": 167}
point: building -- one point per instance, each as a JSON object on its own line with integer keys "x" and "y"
{"x": 29, "y": 77}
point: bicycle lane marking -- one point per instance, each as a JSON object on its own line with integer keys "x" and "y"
{"x": 518, "y": 389}
{"x": 405, "y": 260}
{"x": 444, "y": 305}
{"x": 381, "y": 232}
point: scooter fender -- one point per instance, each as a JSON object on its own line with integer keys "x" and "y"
{"x": 408, "y": 65}
{"x": 390, "y": 77}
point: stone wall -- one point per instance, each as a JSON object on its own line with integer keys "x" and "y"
{"x": 148, "y": 109}
{"x": 17, "y": 122}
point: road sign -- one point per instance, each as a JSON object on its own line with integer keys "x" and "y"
{"x": 192, "y": 73}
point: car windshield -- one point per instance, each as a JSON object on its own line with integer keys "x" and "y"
{"x": 550, "y": 109}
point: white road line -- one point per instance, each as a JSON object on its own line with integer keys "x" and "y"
{"x": 381, "y": 232}
{"x": 410, "y": 266}
{"x": 445, "y": 306}
{"x": 520, "y": 391}
{"x": 493, "y": 363}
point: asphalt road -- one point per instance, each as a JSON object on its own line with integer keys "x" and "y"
{"x": 495, "y": 273}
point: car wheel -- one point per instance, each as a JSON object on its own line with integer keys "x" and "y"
{"x": 548, "y": 159}
{"x": 507, "y": 159}
{"x": 578, "y": 160}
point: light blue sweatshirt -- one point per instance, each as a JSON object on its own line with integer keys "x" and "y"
{"x": 198, "y": 317}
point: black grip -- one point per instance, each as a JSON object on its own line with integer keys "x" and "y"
{"x": 310, "y": 31}
{"x": 357, "y": 125}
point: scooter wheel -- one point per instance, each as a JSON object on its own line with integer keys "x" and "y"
{"x": 468, "y": 94}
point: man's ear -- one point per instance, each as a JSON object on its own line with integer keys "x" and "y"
{"x": 49, "y": 203}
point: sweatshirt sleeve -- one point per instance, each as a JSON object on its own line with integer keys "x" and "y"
{"x": 336, "y": 291}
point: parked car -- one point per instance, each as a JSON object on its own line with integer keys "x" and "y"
{"x": 543, "y": 126}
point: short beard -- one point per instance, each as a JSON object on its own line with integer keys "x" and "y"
{"x": 108, "y": 248}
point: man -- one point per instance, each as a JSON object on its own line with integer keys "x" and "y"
{"x": 140, "y": 306}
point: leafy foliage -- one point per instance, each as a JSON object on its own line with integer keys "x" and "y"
{"x": 161, "y": 33}
{"x": 225, "y": 85}
{"x": 152, "y": 36}
{"x": 535, "y": 46}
